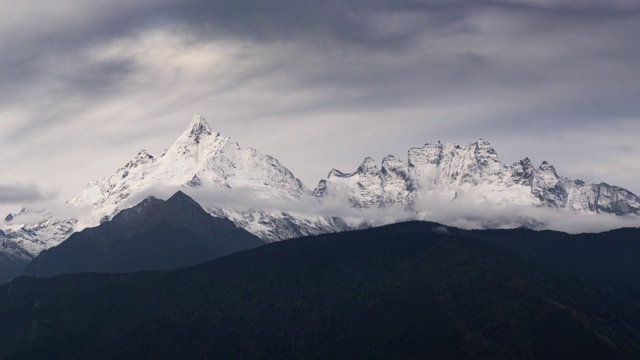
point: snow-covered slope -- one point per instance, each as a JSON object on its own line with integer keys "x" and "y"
{"x": 41, "y": 232}
{"x": 204, "y": 160}
{"x": 454, "y": 171}
{"x": 21, "y": 242}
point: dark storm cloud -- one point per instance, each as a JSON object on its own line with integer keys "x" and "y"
{"x": 18, "y": 194}
{"x": 341, "y": 34}
{"x": 391, "y": 52}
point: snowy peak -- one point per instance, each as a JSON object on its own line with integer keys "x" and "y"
{"x": 387, "y": 160}
{"x": 483, "y": 148}
{"x": 455, "y": 170}
{"x": 487, "y": 158}
{"x": 188, "y": 155}
{"x": 368, "y": 186}
{"x": 545, "y": 180}
{"x": 453, "y": 164}
{"x": 199, "y": 157}
{"x": 197, "y": 128}
{"x": 548, "y": 168}
{"x": 368, "y": 166}
{"x": 523, "y": 172}
{"x": 196, "y": 143}
{"x": 428, "y": 154}
{"x": 526, "y": 164}
{"x": 392, "y": 166}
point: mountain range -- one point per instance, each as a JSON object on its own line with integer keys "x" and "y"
{"x": 456, "y": 171}
{"x": 414, "y": 290}
{"x": 259, "y": 194}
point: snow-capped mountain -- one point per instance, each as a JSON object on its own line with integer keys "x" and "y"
{"x": 199, "y": 158}
{"x": 20, "y": 242}
{"x": 260, "y": 195}
{"x": 203, "y": 159}
{"x": 470, "y": 171}
{"x": 229, "y": 181}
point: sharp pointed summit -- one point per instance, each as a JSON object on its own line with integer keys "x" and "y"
{"x": 197, "y": 130}
{"x": 180, "y": 197}
{"x": 201, "y": 158}
{"x": 198, "y": 127}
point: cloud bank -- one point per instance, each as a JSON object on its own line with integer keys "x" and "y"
{"x": 464, "y": 212}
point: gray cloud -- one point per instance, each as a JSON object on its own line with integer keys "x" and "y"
{"x": 383, "y": 53}
{"x": 18, "y": 194}
{"x": 84, "y": 85}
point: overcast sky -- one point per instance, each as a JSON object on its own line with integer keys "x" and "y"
{"x": 318, "y": 84}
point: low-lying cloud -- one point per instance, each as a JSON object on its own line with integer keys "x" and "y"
{"x": 464, "y": 212}
{"x": 467, "y": 213}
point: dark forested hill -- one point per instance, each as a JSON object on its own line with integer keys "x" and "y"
{"x": 611, "y": 258}
{"x": 405, "y": 291}
{"x": 154, "y": 235}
